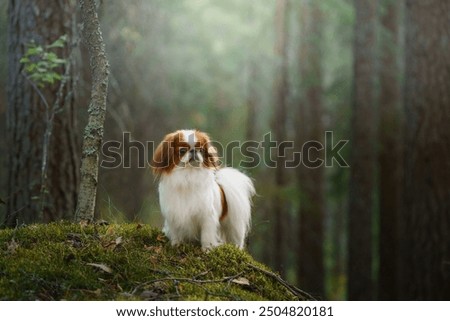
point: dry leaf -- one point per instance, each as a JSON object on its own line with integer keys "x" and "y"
{"x": 12, "y": 246}
{"x": 110, "y": 230}
{"x": 154, "y": 249}
{"x": 113, "y": 244}
{"x": 75, "y": 240}
{"x": 84, "y": 223}
{"x": 241, "y": 281}
{"x": 102, "y": 267}
{"x": 102, "y": 223}
{"x": 161, "y": 238}
{"x": 97, "y": 292}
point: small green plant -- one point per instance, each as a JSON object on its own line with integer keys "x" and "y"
{"x": 40, "y": 62}
{"x": 40, "y": 69}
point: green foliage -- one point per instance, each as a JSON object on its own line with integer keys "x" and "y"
{"x": 64, "y": 261}
{"x": 40, "y": 62}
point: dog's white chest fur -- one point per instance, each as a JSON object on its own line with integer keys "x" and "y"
{"x": 190, "y": 203}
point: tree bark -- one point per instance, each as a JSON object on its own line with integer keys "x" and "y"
{"x": 390, "y": 151}
{"x": 27, "y": 120}
{"x": 93, "y": 134}
{"x": 251, "y": 102}
{"x": 279, "y": 128}
{"x": 362, "y": 176}
{"x": 252, "y": 78}
{"x": 425, "y": 241}
{"x": 312, "y": 208}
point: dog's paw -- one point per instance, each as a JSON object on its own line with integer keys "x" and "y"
{"x": 209, "y": 246}
{"x": 206, "y": 249}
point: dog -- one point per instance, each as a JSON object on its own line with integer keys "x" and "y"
{"x": 199, "y": 199}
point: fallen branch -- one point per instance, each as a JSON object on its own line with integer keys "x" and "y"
{"x": 193, "y": 280}
{"x": 294, "y": 290}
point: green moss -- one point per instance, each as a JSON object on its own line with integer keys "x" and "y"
{"x": 64, "y": 261}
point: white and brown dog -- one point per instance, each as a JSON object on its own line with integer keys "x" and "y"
{"x": 199, "y": 199}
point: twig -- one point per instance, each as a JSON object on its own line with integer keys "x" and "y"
{"x": 188, "y": 280}
{"x": 175, "y": 284}
{"x": 14, "y": 213}
{"x": 46, "y": 138}
{"x": 38, "y": 91}
{"x": 201, "y": 274}
{"x": 294, "y": 290}
{"x": 49, "y": 118}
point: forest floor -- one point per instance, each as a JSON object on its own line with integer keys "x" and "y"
{"x": 65, "y": 261}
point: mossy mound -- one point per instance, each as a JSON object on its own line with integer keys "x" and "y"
{"x": 64, "y": 261}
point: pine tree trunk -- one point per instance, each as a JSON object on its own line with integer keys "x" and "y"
{"x": 27, "y": 120}
{"x": 312, "y": 209}
{"x": 93, "y": 134}
{"x": 279, "y": 128}
{"x": 425, "y": 246}
{"x": 362, "y": 176}
{"x": 251, "y": 103}
{"x": 390, "y": 150}
{"x": 252, "y": 79}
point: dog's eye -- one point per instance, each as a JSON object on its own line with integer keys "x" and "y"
{"x": 183, "y": 150}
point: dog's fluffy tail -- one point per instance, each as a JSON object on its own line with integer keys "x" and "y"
{"x": 239, "y": 190}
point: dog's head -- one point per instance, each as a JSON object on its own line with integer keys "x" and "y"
{"x": 184, "y": 149}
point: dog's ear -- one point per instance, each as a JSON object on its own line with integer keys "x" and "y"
{"x": 212, "y": 157}
{"x": 163, "y": 156}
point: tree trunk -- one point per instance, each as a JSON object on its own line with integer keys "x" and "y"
{"x": 93, "y": 134}
{"x": 390, "y": 150}
{"x": 252, "y": 79}
{"x": 28, "y": 201}
{"x": 279, "y": 128}
{"x": 362, "y": 176}
{"x": 312, "y": 209}
{"x": 251, "y": 103}
{"x": 425, "y": 247}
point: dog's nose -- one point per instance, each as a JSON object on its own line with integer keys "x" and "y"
{"x": 194, "y": 155}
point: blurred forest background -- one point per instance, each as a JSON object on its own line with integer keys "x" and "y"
{"x": 376, "y": 73}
